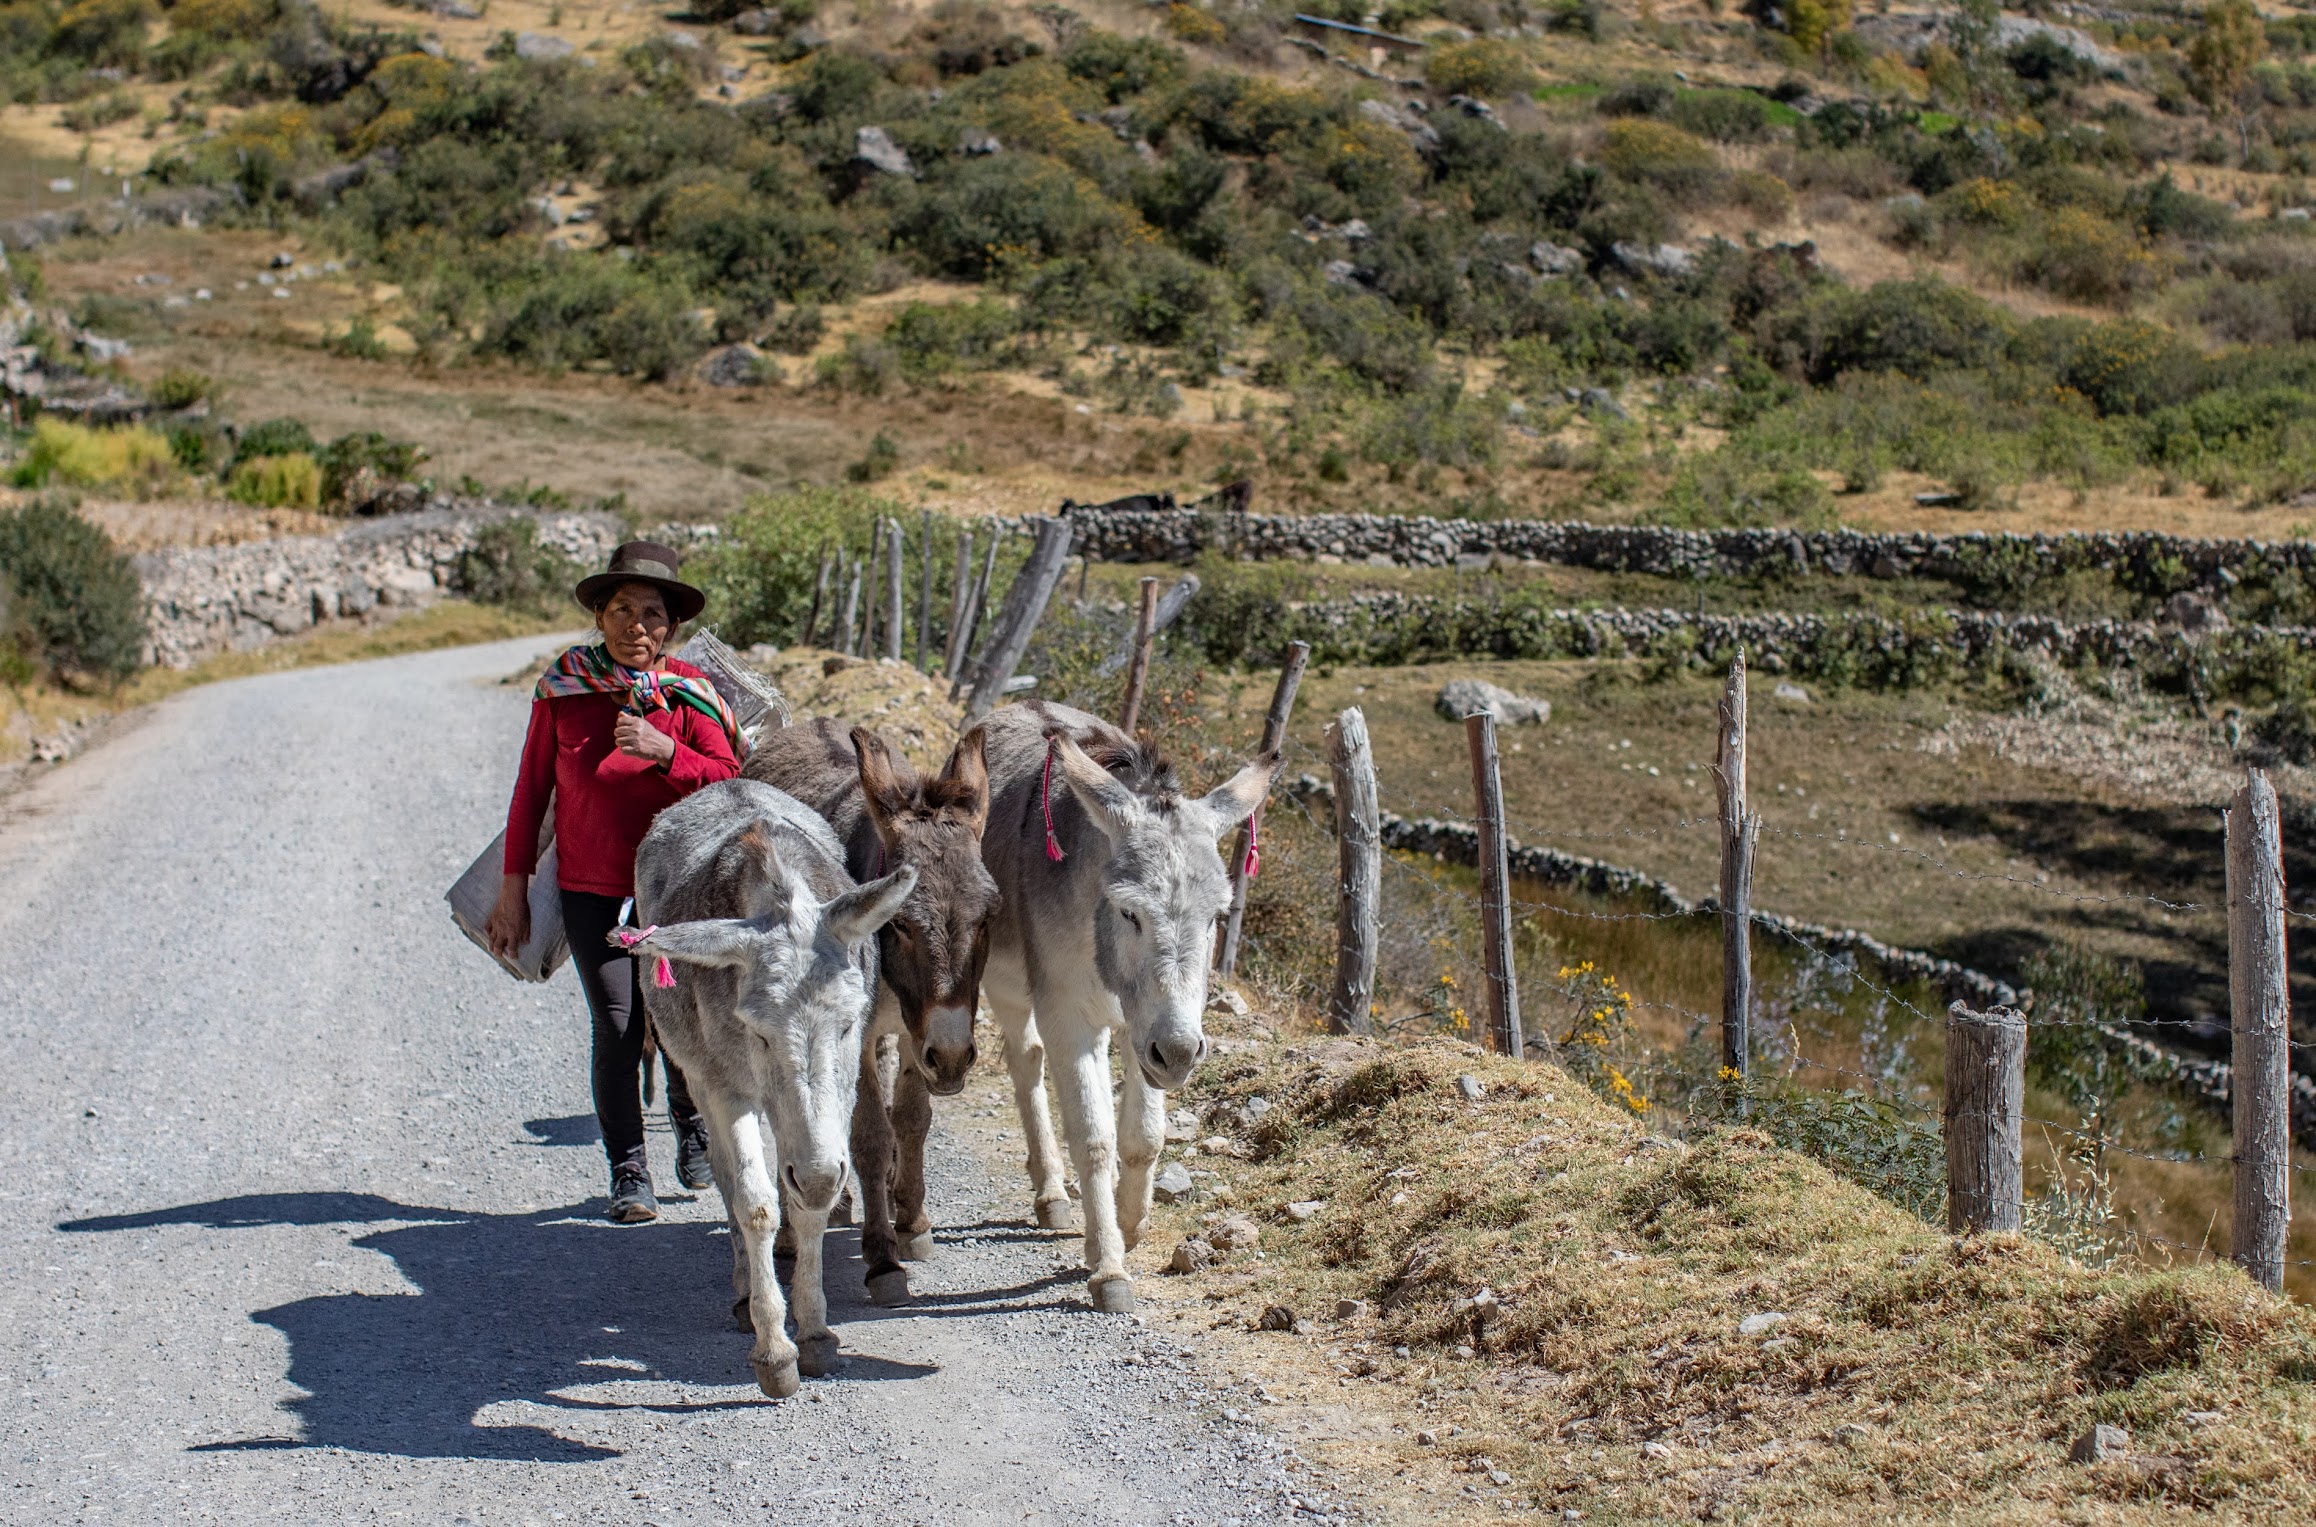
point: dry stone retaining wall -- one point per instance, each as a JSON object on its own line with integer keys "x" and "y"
{"x": 1159, "y": 535}
{"x": 204, "y": 600}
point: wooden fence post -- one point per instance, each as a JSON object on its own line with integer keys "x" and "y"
{"x": 896, "y": 617}
{"x": 973, "y": 609}
{"x": 1274, "y": 734}
{"x": 849, "y": 611}
{"x": 1985, "y": 1106}
{"x": 1359, "y": 860}
{"x": 925, "y": 599}
{"x": 2260, "y": 1084}
{"x": 1502, "y": 981}
{"x": 1025, "y": 604}
{"x": 1145, "y": 628}
{"x": 865, "y": 644}
{"x": 819, "y": 596}
{"x": 960, "y": 590}
{"x": 1740, "y": 831}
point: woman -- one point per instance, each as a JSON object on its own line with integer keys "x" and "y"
{"x": 618, "y": 732}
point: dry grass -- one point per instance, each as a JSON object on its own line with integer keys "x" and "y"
{"x": 1911, "y": 1375}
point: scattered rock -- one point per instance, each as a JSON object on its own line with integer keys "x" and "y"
{"x": 1656, "y": 1450}
{"x": 1305, "y": 1208}
{"x": 1655, "y": 259}
{"x": 1851, "y": 1433}
{"x": 2100, "y": 1444}
{"x": 2202, "y": 1418}
{"x": 1236, "y": 1233}
{"x": 1355, "y": 1309}
{"x": 1219, "y": 1145}
{"x": 1555, "y": 259}
{"x": 756, "y": 23}
{"x": 51, "y": 749}
{"x": 1228, "y": 999}
{"x": 1790, "y": 692}
{"x": 976, "y": 143}
{"x": 1276, "y": 1318}
{"x": 1427, "y": 1438}
{"x": 539, "y": 48}
{"x": 741, "y": 365}
{"x": 1193, "y": 1255}
{"x": 874, "y": 147}
{"x": 1470, "y": 1088}
{"x": 1181, "y": 1125}
{"x": 1173, "y": 1185}
{"x": 1459, "y": 698}
{"x": 1755, "y": 1325}
{"x": 2194, "y": 613}
{"x": 1342, "y": 273}
{"x": 1600, "y": 403}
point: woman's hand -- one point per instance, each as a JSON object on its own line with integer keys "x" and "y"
{"x": 509, "y": 925}
{"x": 638, "y": 738}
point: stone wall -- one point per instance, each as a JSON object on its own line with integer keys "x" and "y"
{"x": 210, "y": 599}
{"x": 1144, "y": 535}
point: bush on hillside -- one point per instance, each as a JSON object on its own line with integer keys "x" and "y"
{"x": 293, "y": 481}
{"x": 1483, "y": 66}
{"x": 75, "y": 608}
{"x": 130, "y": 460}
{"x": 759, "y": 578}
{"x": 508, "y": 567}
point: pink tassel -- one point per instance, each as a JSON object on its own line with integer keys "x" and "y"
{"x": 630, "y": 937}
{"x": 663, "y": 974}
{"x": 1053, "y": 848}
{"x": 1254, "y": 851}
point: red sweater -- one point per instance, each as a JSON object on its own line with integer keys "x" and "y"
{"x": 604, "y": 800}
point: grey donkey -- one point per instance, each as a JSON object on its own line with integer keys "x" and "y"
{"x": 769, "y": 970}
{"x": 929, "y": 956}
{"x": 1113, "y": 936}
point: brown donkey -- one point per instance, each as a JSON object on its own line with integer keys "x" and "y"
{"x": 930, "y": 954}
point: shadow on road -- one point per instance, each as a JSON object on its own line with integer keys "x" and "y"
{"x": 509, "y": 1307}
{"x": 572, "y": 1129}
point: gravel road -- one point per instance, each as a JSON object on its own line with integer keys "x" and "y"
{"x": 303, "y": 1195}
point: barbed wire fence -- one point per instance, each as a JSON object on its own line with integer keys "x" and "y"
{"x": 1986, "y": 1023}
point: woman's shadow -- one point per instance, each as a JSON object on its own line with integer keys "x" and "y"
{"x": 509, "y": 1307}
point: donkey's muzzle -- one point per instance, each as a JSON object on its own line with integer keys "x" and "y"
{"x": 948, "y": 1049}
{"x": 1168, "y": 1059}
{"x": 815, "y": 1187}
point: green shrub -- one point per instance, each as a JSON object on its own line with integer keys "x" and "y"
{"x": 357, "y": 466}
{"x": 182, "y": 387}
{"x": 1725, "y": 116}
{"x": 934, "y": 339}
{"x": 796, "y": 331}
{"x": 1484, "y": 66}
{"x": 1123, "y": 66}
{"x": 277, "y": 437}
{"x": 2130, "y": 366}
{"x": 276, "y": 482}
{"x": 882, "y": 460}
{"x": 1722, "y": 490}
{"x": 1010, "y": 209}
{"x": 75, "y": 607}
{"x": 126, "y": 460}
{"x": 1659, "y": 154}
{"x": 507, "y": 566}
{"x": 759, "y": 577}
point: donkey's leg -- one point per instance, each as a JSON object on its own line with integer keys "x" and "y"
{"x": 1006, "y": 985}
{"x": 1141, "y": 1134}
{"x": 912, "y": 1122}
{"x": 872, "y": 1166}
{"x": 1082, "y": 1076}
{"x": 724, "y": 1163}
{"x": 753, "y": 1210}
{"x": 815, "y": 1342}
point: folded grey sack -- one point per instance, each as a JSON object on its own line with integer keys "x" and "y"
{"x": 477, "y": 891}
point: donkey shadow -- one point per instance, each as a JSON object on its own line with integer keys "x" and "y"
{"x": 510, "y": 1307}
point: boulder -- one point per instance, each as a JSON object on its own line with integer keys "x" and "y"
{"x": 539, "y": 48}
{"x": 756, "y": 23}
{"x": 1193, "y": 1255}
{"x": 1173, "y": 1184}
{"x": 874, "y": 147}
{"x": 2100, "y": 1444}
{"x": 1459, "y": 698}
{"x": 733, "y": 366}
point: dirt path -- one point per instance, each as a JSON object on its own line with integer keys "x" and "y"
{"x": 304, "y": 1203}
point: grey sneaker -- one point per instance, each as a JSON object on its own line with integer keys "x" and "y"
{"x": 632, "y": 1202}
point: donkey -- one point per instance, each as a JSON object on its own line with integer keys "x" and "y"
{"x": 930, "y": 954}
{"x": 760, "y": 988}
{"x": 1111, "y": 889}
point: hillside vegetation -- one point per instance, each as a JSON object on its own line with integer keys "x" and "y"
{"x": 1706, "y": 267}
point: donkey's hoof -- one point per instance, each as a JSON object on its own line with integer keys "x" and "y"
{"x": 777, "y": 1380}
{"x": 889, "y": 1288}
{"x": 918, "y": 1247}
{"x": 740, "y": 1315}
{"x": 1113, "y": 1295}
{"x": 1056, "y": 1214}
{"x": 816, "y": 1355}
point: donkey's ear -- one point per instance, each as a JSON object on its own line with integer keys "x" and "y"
{"x": 964, "y": 781}
{"x": 1235, "y": 799}
{"x": 886, "y": 782}
{"x": 1105, "y": 798}
{"x": 856, "y": 914}
{"x": 721, "y": 941}
{"x": 767, "y": 890}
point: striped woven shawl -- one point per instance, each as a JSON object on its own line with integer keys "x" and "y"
{"x": 591, "y": 670}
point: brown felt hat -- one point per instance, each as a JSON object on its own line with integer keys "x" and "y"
{"x": 644, "y": 562}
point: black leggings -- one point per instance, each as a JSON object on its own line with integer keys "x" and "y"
{"x": 611, "y": 981}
